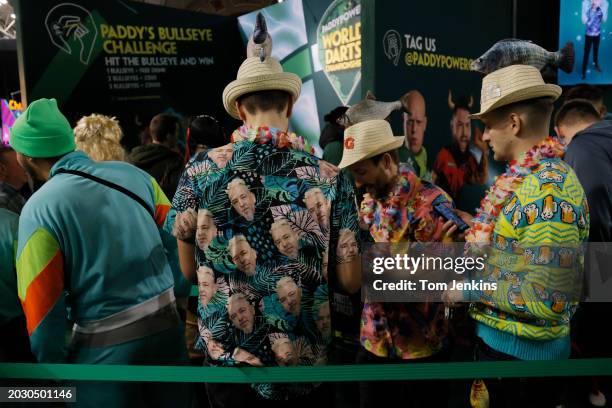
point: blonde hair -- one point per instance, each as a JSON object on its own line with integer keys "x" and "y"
{"x": 287, "y": 280}
{"x": 234, "y": 241}
{"x": 236, "y": 297}
{"x": 99, "y": 137}
{"x": 280, "y": 223}
{"x": 237, "y": 182}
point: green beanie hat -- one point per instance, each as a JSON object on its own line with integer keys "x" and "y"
{"x": 42, "y": 131}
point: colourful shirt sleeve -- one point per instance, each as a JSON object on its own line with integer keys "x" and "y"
{"x": 40, "y": 285}
{"x": 162, "y": 204}
{"x": 344, "y": 245}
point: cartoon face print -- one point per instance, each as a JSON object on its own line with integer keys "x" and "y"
{"x": 241, "y": 198}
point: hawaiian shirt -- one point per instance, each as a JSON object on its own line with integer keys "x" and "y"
{"x": 271, "y": 217}
{"x": 408, "y": 213}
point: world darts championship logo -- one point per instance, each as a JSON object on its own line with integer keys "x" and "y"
{"x": 72, "y": 29}
{"x": 392, "y": 44}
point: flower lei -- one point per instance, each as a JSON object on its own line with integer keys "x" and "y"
{"x": 387, "y": 214}
{"x": 505, "y": 184}
{"x": 266, "y": 134}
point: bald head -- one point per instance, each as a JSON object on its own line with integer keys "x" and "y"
{"x": 415, "y": 121}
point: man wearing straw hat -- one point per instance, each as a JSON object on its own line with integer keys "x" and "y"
{"x": 398, "y": 206}
{"x": 278, "y": 173}
{"x": 90, "y": 247}
{"x": 532, "y": 218}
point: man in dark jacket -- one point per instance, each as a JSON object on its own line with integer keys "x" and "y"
{"x": 589, "y": 152}
{"x": 161, "y": 158}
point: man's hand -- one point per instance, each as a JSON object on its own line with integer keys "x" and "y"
{"x": 451, "y": 230}
{"x": 185, "y": 224}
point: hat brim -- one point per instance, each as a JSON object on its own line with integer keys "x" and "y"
{"x": 282, "y": 81}
{"x": 350, "y": 159}
{"x": 533, "y": 92}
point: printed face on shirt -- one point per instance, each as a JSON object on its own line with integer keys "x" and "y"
{"x": 325, "y": 264}
{"x": 243, "y": 256}
{"x": 242, "y": 200}
{"x": 207, "y": 286}
{"x": 289, "y": 295}
{"x": 318, "y": 206}
{"x": 221, "y": 155}
{"x": 347, "y": 246}
{"x": 284, "y": 352}
{"x": 461, "y": 129}
{"x": 285, "y": 239}
{"x": 323, "y": 320}
{"x": 206, "y": 229}
{"x": 241, "y": 313}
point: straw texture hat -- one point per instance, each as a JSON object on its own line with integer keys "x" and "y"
{"x": 513, "y": 84}
{"x": 255, "y": 75}
{"x": 367, "y": 139}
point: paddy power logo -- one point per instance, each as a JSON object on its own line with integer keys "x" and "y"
{"x": 420, "y": 51}
{"x": 339, "y": 43}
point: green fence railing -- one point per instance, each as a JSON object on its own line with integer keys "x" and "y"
{"x": 329, "y": 373}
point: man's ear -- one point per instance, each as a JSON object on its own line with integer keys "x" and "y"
{"x": 516, "y": 123}
{"x": 290, "y": 107}
{"x": 240, "y": 110}
{"x": 602, "y": 111}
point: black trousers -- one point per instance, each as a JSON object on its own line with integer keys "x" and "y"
{"x": 412, "y": 394}
{"x": 519, "y": 392}
{"x": 15, "y": 343}
{"x": 588, "y": 42}
{"x": 242, "y": 395}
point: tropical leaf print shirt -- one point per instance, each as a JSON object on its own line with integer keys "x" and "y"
{"x": 271, "y": 217}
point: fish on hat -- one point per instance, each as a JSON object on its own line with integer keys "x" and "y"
{"x": 368, "y": 139}
{"x": 259, "y": 72}
{"x": 512, "y": 84}
{"x": 42, "y": 131}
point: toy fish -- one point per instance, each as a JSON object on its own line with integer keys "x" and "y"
{"x": 521, "y": 52}
{"x": 370, "y": 109}
{"x": 260, "y": 43}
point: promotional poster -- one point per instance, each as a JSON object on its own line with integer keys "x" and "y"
{"x": 585, "y": 23}
{"x": 124, "y": 59}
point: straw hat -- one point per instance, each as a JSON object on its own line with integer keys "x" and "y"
{"x": 513, "y": 84}
{"x": 367, "y": 139}
{"x": 255, "y": 75}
